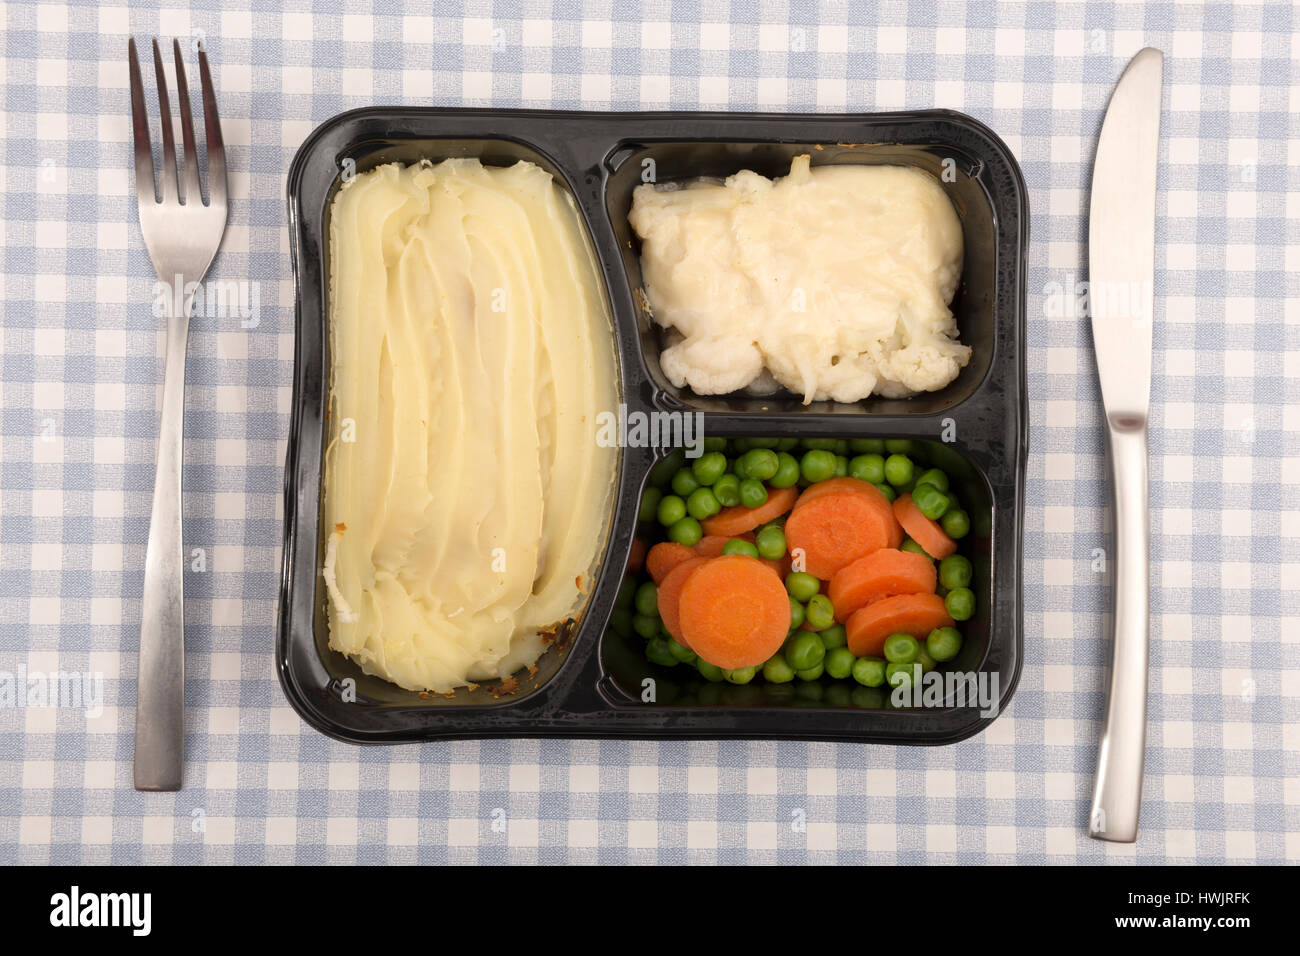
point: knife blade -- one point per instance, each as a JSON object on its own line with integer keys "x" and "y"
{"x": 1121, "y": 282}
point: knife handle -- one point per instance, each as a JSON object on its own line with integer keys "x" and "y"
{"x": 1117, "y": 793}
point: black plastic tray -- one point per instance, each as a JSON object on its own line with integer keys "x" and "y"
{"x": 589, "y": 686}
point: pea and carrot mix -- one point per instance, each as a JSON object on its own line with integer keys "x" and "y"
{"x": 785, "y": 559}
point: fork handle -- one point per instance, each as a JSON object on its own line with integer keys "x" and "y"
{"x": 1117, "y": 792}
{"x": 160, "y": 695}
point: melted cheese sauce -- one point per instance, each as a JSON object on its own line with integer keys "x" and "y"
{"x": 472, "y": 349}
{"x": 833, "y": 282}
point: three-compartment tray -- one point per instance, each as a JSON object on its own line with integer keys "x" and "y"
{"x": 591, "y": 683}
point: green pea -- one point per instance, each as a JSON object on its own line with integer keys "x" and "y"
{"x": 671, "y": 510}
{"x": 899, "y": 674}
{"x": 764, "y": 442}
{"x": 819, "y": 444}
{"x": 944, "y": 643}
{"x": 869, "y": 671}
{"x": 647, "y": 599}
{"x": 752, "y": 493}
{"x": 820, "y": 613}
{"x": 817, "y": 464}
{"x": 839, "y": 662}
{"x": 834, "y": 636}
{"x": 802, "y": 585}
{"x": 727, "y": 490}
{"x": 930, "y": 501}
{"x": 645, "y": 625}
{"x": 657, "y": 652}
{"x": 900, "y": 446}
{"x": 899, "y": 470}
{"x": 933, "y": 477}
{"x": 901, "y": 648}
{"x": 796, "y": 614}
{"x": 786, "y": 444}
{"x": 650, "y": 499}
{"x": 955, "y": 523}
{"x": 955, "y": 571}
{"x": 787, "y": 471}
{"x": 868, "y": 468}
{"x": 887, "y": 490}
{"x": 777, "y": 670}
{"x": 841, "y": 466}
{"x": 866, "y": 446}
{"x": 626, "y": 593}
{"x": 771, "y": 543}
{"x": 684, "y": 482}
{"x": 715, "y": 444}
{"x": 738, "y": 468}
{"x": 710, "y": 673}
{"x": 924, "y": 659}
{"x": 811, "y": 673}
{"x": 761, "y": 463}
{"x": 740, "y": 445}
{"x": 620, "y": 619}
{"x": 662, "y": 473}
{"x": 804, "y": 650}
{"x": 868, "y": 698}
{"x": 709, "y": 467}
{"x": 687, "y": 531}
{"x": 681, "y": 653}
{"x": 740, "y": 675}
{"x": 910, "y": 545}
{"x": 740, "y": 546}
{"x": 960, "y": 603}
{"x": 702, "y": 504}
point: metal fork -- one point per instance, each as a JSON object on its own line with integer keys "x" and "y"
{"x": 182, "y": 234}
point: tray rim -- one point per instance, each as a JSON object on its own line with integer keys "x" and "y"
{"x": 497, "y": 723}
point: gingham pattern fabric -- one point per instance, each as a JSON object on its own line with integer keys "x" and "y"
{"x": 82, "y": 370}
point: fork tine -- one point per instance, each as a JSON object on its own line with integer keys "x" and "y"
{"x": 190, "y": 190}
{"x": 212, "y": 133}
{"x": 168, "y": 190}
{"x": 140, "y": 132}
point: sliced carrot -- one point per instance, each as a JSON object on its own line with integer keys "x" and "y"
{"x": 925, "y": 532}
{"x": 711, "y": 545}
{"x": 665, "y": 556}
{"x": 865, "y": 488}
{"x": 670, "y": 592}
{"x": 836, "y": 528}
{"x": 780, "y": 565}
{"x": 915, "y": 614}
{"x": 734, "y": 611}
{"x": 636, "y": 556}
{"x": 880, "y": 574}
{"x": 738, "y": 519}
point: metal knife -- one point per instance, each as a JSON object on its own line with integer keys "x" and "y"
{"x": 1121, "y": 268}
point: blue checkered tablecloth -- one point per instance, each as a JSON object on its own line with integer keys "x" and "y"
{"x": 81, "y": 374}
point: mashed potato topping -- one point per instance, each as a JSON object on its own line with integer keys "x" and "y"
{"x": 835, "y": 282}
{"x": 471, "y": 350}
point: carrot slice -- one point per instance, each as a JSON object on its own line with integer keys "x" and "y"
{"x": 870, "y": 491}
{"x": 670, "y": 593}
{"x": 711, "y": 545}
{"x": 738, "y": 519}
{"x": 665, "y": 556}
{"x": 882, "y": 573}
{"x": 928, "y": 534}
{"x": 734, "y": 611}
{"x": 915, "y": 614}
{"x": 636, "y": 556}
{"x": 836, "y": 528}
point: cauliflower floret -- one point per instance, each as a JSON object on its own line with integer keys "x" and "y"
{"x": 712, "y": 366}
